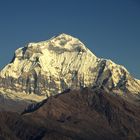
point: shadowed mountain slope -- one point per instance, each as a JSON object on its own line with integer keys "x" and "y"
{"x": 78, "y": 115}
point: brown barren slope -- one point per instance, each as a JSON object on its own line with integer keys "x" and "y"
{"x": 77, "y": 115}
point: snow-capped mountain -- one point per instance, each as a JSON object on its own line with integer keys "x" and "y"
{"x": 62, "y": 62}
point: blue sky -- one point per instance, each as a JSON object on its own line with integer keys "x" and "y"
{"x": 109, "y": 28}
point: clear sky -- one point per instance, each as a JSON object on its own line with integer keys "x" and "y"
{"x": 109, "y": 28}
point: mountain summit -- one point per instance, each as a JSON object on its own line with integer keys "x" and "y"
{"x": 60, "y": 63}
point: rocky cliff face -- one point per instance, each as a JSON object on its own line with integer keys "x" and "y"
{"x": 61, "y": 63}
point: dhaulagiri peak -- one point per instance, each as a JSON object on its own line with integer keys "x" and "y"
{"x": 60, "y": 63}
